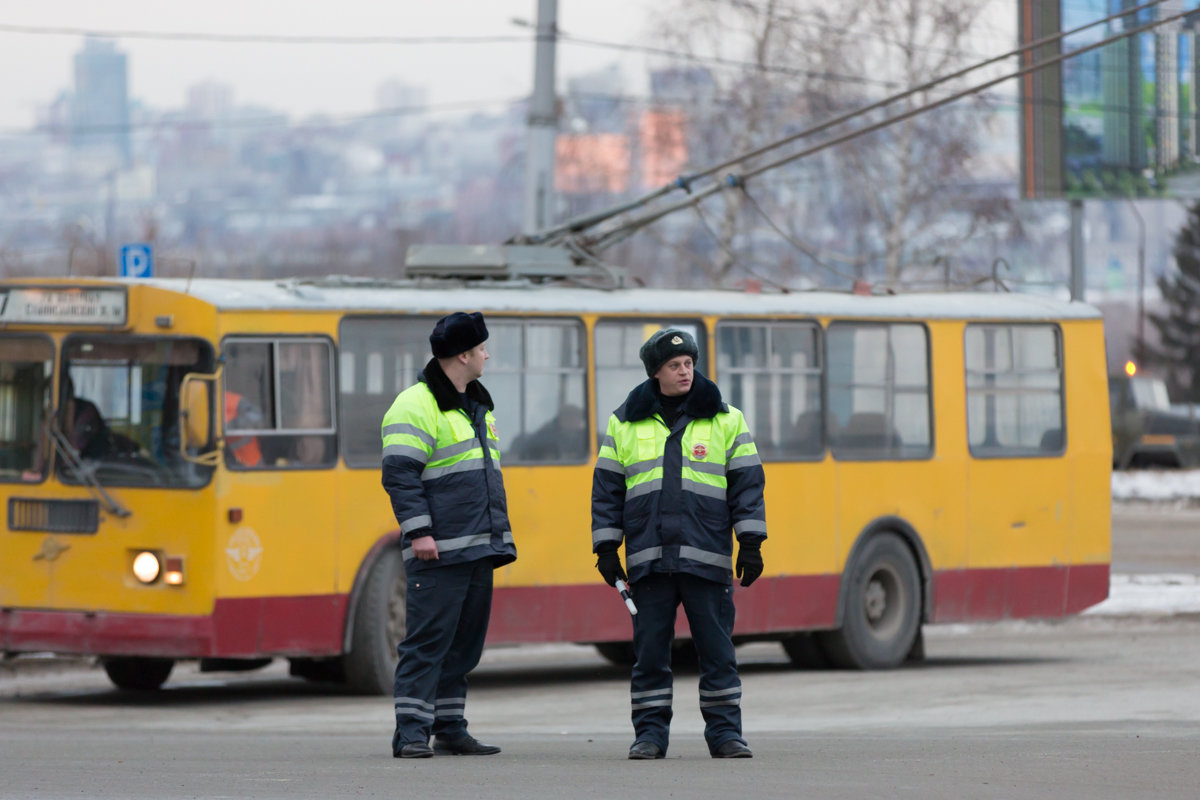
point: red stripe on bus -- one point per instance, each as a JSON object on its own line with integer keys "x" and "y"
{"x": 312, "y": 625}
{"x": 980, "y": 595}
{"x": 596, "y": 613}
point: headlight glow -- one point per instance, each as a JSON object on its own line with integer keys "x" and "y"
{"x": 146, "y": 567}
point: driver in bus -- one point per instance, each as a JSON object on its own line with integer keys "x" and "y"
{"x": 86, "y": 430}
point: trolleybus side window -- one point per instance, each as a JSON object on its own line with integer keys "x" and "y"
{"x": 772, "y": 372}
{"x": 278, "y": 403}
{"x": 25, "y": 377}
{"x": 1014, "y": 390}
{"x": 879, "y": 399}
{"x": 537, "y": 378}
{"x": 618, "y": 366}
{"x": 379, "y": 358}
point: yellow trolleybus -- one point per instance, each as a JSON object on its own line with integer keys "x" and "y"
{"x": 191, "y": 469}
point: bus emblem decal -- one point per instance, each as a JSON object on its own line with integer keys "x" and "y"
{"x": 244, "y": 554}
{"x": 51, "y": 549}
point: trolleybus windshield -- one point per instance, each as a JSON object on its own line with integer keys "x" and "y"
{"x": 119, "y": 409}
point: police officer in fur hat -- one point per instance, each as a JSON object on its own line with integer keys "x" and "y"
{"x": 441, "y": 468}
{"x": 677, "y": 477}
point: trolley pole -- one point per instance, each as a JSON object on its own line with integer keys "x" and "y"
{"x": 542, "y": 124}
{"x": 1078, "y": 261}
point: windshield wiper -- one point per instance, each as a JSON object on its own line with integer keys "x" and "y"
{"x": 62, "y": 446}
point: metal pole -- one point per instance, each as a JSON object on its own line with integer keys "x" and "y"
{"x": 1141, "y": 303}
{"x": 110, "y": 222}
{"x": 542, "y": 124}
{"x": 1078, "y": 271}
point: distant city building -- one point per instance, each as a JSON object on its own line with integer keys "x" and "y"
{"x": 402, "y": 108}
{"x": 210, "y": 100}
{"x": 1167, "y": 127}
{"x": 398, "y": 95}
{"x": 664, "y": 152}
{"x": 592, "y": 163}
{"x": 596, "y": 100}
{"x": 1190, "y": 66}
{"x": 681, "y": 84}
{"x": 1124, "y": 142}
{"x": 100, "y": 107}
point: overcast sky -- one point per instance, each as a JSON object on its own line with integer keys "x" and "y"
{"x": 306, "y": 78}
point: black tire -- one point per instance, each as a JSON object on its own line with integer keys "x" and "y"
{"x": 805, "y": 652}
{"x": 683, "y": 654}
{"x": 138, "y": 674}
{"x": 370, "y": 665}
{"x": 619, "y": 653}
{"x": 883, "y": 608}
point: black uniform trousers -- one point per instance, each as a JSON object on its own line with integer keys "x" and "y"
{"x": 448, "y": 610}
{"x": 710, "y": 612}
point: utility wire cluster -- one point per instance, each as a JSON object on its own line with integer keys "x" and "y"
{"x": 599, "y": 231}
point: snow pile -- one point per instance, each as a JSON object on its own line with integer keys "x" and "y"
{"x": 1150, "y": 594}
{"x": 1156, "y": 485}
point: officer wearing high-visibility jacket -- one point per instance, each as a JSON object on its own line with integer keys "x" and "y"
{"x": 441, "y": 468}
{"x": 677, "y": 473}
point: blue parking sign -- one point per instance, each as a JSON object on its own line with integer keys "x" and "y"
{"x": 137, "y": 261}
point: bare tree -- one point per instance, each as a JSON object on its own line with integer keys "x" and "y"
{"x": 871, "y": 207}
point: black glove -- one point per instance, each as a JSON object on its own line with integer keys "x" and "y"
{"x": 749, "y": 563}
{"x": 609, "y": 564}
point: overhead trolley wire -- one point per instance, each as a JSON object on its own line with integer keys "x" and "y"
{"x": 685, "y": 182}
{"x": 257, "y": 38}
{"x": 601, "y": 241}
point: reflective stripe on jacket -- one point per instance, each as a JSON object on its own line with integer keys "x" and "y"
{"x": 674, "y": 495}
{"x": 442, "y": 479}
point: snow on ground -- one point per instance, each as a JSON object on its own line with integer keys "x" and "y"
{"x": 1156, "y": 485}
{"x": 1150, "y": 595}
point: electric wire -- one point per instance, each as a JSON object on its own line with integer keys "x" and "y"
{"x": 734, "y": 257}
{"x": 685, "y": 181}
{"x": 256, "y": 38}
{"x": 599, "y": 240}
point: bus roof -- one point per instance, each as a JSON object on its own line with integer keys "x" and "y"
{"x": 370, "y": 295}
{"x": 363, "y": 295}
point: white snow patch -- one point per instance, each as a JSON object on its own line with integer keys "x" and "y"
{"x": 1151, "y": 594}
{"x": 1156, "y": 485}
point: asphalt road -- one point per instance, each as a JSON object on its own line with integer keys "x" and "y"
{"x": 1092, "y": 707}
{"x": 1150, "y": 538}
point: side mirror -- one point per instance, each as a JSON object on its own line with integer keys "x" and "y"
{"x": 195, "y": 411}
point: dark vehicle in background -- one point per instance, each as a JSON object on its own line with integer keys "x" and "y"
{"x": 1147, "y": 430}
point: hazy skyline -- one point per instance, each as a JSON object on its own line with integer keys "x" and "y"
{"x": 309, "y": 78}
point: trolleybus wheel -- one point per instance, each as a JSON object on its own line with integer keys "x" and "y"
{"x": 683, "y": 653}
{"x": 882, "y": 614}
{"x": 378, "y": 627}
{"x": 618, "y": 653}
{"x": 138, "y": 674}
{"x": 805, "y": 652}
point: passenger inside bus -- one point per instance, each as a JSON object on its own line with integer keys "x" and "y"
{"x": 240, "y": 413}
{"x": 563, "y": 438}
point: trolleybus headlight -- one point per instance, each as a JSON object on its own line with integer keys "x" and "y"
{"x": 146, "y": 567}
